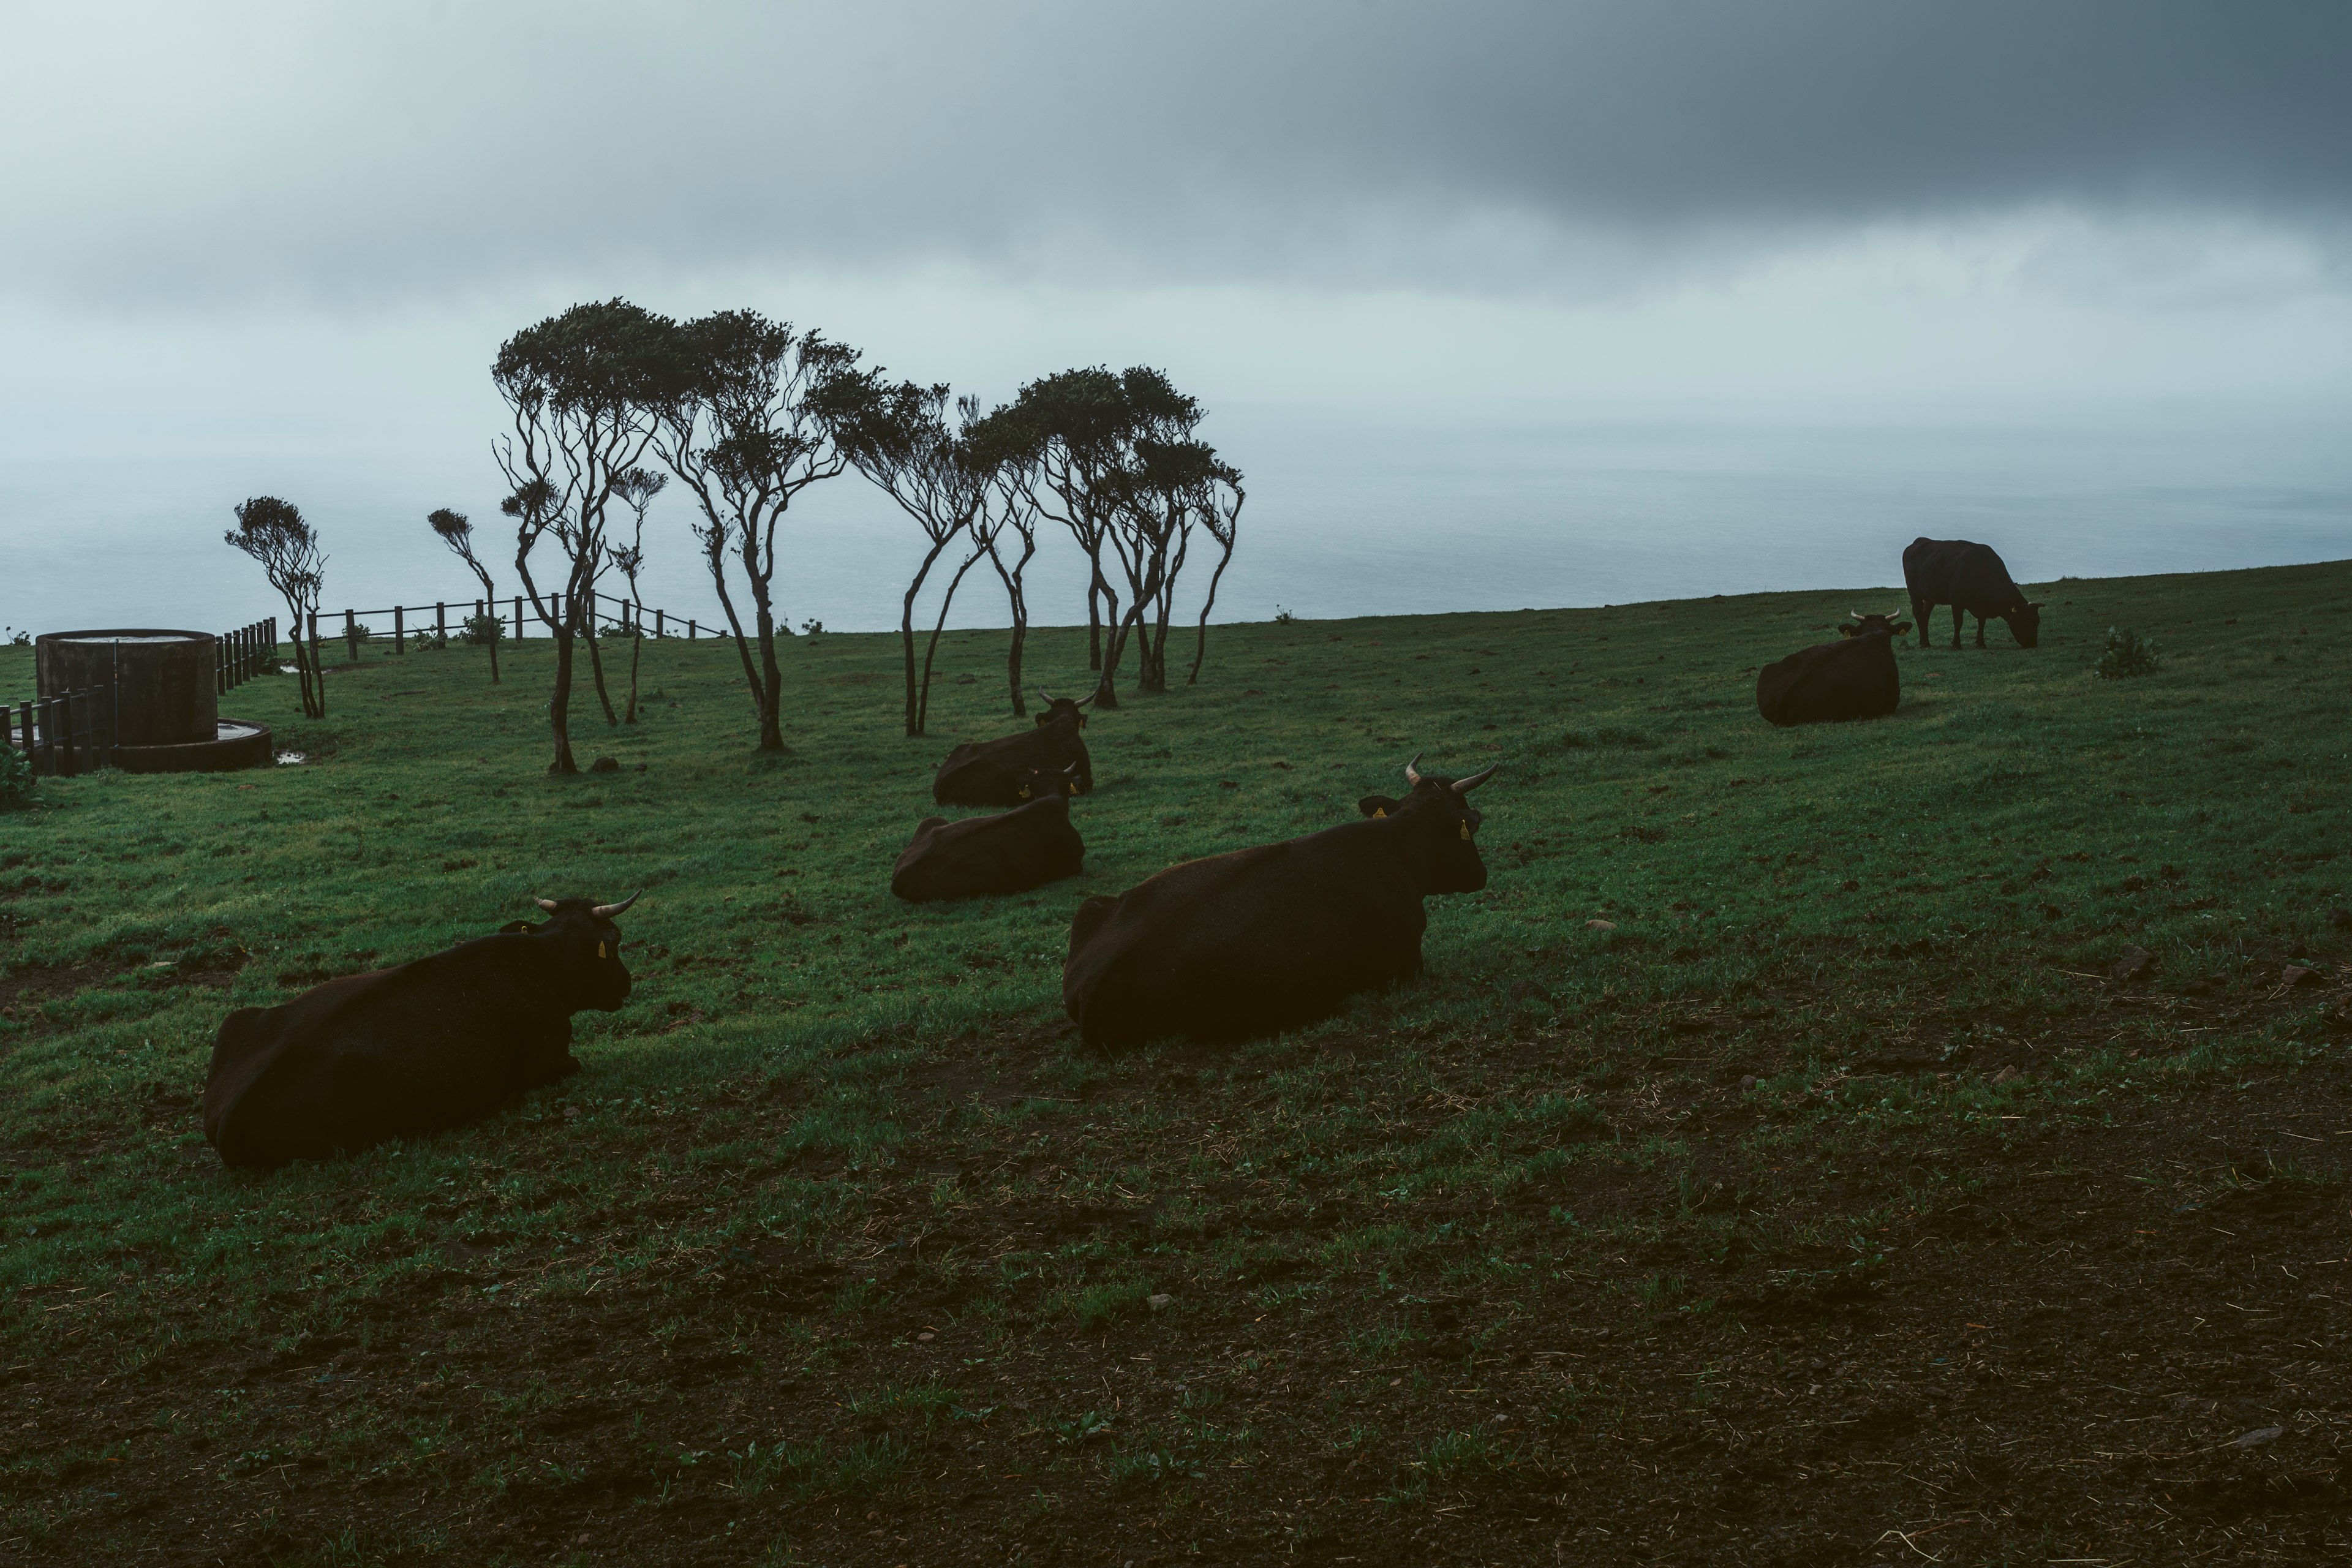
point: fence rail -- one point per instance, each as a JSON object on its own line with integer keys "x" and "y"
{"x": 71, "y": 732}
{"x": 624, "y": 617}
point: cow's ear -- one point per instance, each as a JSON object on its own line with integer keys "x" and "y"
{"x": 1902, "y": 627}
{"x": 1377, "y": 805}
{"x": 517, "y": 928}
{"x": 1846, "y": 631}
{"x": 2035, "y": 604}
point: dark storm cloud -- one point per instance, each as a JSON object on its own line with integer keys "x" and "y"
{"x": 160, "y": 156}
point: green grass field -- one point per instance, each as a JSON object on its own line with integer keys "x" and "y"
{"x": 839, "y": 1201}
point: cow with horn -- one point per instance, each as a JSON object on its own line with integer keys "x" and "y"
{"x": 1015, "y": 768}
{"x": 432, "y": 1044}
{"x": 1279, "y": 936}
{"x": 1854, "y": 678}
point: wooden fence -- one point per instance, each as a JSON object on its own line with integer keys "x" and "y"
{"x": 622, "y": 617}
{"x": 72, "y": 732}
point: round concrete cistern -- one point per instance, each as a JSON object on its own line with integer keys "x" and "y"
{"x": 167, "y": 712}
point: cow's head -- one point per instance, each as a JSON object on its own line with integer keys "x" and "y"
{"x": 1062, "y": 707}
{"x": 1870, "y": 625}
{"x": 587, "y": 946}
{"x": 2025, "y": 622}
{"x": 1039, "y": 783}
{"x": 1440, "y": 824}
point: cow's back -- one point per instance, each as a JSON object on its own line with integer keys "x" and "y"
{"x": 1008, "y": 853}
{"x": 1959, "y": 571}
{"x": 1258, "y": 940}
{"x": 430, "y": 1045}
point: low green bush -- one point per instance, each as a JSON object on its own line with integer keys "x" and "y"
{"x": 2128, "y": 653}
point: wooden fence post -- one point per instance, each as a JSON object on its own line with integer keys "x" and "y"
{"x": 657, "y": 623}
{"x": 399, "y": 629}
{"x": 518, "y": 618}
{"x": 351, "y": 634}
{"x": 25, "y": 728}
{"x": 441, "y": 622}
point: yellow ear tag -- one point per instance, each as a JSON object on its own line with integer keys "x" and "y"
{"x": 1380, "y": 811}
{"x": 1465, "y": 831}
{"x": 600, "y": 950}
{"x": 1025, "y": 792}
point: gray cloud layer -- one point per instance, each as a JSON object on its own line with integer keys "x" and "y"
{"x": 168, "y": 155}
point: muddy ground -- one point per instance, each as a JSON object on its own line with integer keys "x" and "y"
{"x": 2091, "y": 1338}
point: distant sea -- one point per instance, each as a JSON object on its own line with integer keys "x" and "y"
{"x": 1346, "y": 516}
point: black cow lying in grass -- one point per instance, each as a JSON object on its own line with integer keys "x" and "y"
{"x": 430, "y": 1045}
{"x": 1277, "y": 936}
{"x": 1974, "y": 580}
{"x": 1014, "y": 769}
{"x": 1854, "y": 678}
{"x": 1008, "y": 853}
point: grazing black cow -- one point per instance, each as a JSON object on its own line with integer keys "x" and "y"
{"x": 1011, "y": 852}
{"x": 1277, "y": 936}
{"x": 1972, "y": 579}
{"x": 428, "y": 1045}
{"x": 1854, "y": 678}
{"x": 1013, "y": 769}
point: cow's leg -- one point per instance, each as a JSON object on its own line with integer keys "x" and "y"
{"x": 1960, "y": 619}
{"x": 1979, "y": 631}
{"x": 1920, "y": 610}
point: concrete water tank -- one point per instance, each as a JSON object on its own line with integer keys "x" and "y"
{"x": 167, "y": 702}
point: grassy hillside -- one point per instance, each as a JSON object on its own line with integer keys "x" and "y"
{"x": 838, "y": 1202}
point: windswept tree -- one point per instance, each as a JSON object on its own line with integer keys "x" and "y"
{"x": 579, "y": 394}
{"x": 638, "y": 489}
{"x": 1084, "y": 430}
{"x": 900, "y": 441}
{"x": 1173, "y": 492}
{"x": 1222, "y": 516}
{"x": 747, "y": 416}
{"x": 456, "y": 532}
{"x": 272, "y": 532}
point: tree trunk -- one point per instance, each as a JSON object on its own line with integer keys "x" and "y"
{"x": 771, "y": 724}
{"x": 1094, "y": 619}
{"x": 558, "y": 703}
{"x": 1017, "y": 597}
{"x": 1200, "y": 648}
{"x": 923, "y": 708}
{"x": 1114, "y": 647}
{"x": 596, "y": 663}
{"x": 907, "y": 631}
{"x": 636, "y": 645}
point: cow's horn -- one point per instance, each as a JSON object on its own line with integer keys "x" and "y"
{"x": 1087, "y": 701}
{"x": 1413, "y": 770}
{"x": 607, "y": 912}
{"x": 1464, "y": 786}
{"x": 1856, "y": 613}
{"x": 1046, "y": 694}
{"x": 1895, "y": 612}
{"x": 547, "y": 904}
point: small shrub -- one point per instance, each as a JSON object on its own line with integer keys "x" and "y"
{"x": 16, "y": 638}
{"x": 2128, "y": 653}
{"x": 1283, "y": 618}
{"x": 16, "y": 778}
{"x": 482, "y": 629}
{"x": 811, "y": 628}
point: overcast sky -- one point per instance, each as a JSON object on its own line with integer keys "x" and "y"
{"x": 305, "y": 227}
